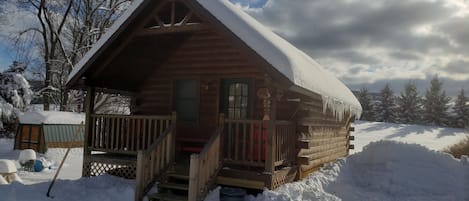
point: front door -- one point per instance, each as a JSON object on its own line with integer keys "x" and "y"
{"x": 185, "y": 103}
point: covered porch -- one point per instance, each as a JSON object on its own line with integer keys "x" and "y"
{"x": 243, "y": 153}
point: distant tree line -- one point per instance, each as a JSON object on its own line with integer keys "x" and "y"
{"x": 409, "y": 107}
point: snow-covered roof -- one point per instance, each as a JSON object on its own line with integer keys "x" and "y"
{"x": 293, "y": 63}
{"x": 51, "y": 117}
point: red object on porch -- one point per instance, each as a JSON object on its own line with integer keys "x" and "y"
{"x": 258, "y": 138}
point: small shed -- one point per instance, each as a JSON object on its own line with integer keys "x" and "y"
{"x": 48, "y": 129}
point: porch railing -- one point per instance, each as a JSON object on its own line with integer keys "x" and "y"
{"x": 205, "y": 166}
{"x": 259, "y": 143}
{"x": 284, "y": 143}
{"x": 125, "y": 133}
{"x": 154, "y": 160}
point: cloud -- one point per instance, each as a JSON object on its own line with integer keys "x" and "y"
{"x": 374, "y": 41}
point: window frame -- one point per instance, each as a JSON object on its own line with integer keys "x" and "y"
{"x": 225, "y": 93}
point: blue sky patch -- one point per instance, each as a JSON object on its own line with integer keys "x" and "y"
{"x": 251, "y": 3}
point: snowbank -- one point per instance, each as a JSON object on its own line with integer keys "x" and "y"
{"x": 383, "y": 171}
{"x": 51, "y": 117}
{"x": 435, "y": 138}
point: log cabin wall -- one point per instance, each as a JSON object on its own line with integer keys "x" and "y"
{"x": 208, "y": 58}
{"x": 321, "y": 137}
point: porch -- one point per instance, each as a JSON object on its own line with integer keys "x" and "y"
{"x": 243, "y": 153}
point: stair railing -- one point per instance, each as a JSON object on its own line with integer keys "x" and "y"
{"x": 153, "y": 161}
{"x": 204, "y": 166}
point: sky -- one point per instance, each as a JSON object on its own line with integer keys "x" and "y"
{"x": 369, "y": 43}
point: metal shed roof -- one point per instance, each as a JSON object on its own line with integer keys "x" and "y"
{"x": 62, "y": 133}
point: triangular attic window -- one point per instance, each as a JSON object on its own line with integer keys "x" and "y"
{"x": 172, "y": 14}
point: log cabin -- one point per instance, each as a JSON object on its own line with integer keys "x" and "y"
{"x": 216, "y": 99}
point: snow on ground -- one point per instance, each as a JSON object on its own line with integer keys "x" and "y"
{"x": 385, "y": 170}
{"x": 71, "y": 169}
{"x": 103, "y": 188}
{"x": 435, "y": 138}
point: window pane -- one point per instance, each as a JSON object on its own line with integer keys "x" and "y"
{"x": 237, "y": 101}
{"x": 244, "y": 103}
{"x": 244, "y": 114}
{"x": 232, "y": 90}
{"x": 231, "y": 101}
{"x": 245, "y": 90}
{"x": 237, "y": 114}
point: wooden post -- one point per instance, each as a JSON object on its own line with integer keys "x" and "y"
{"x": 269, "y": 146}
{"x": 89, "y": 109}
{"x": 139, "y": 177}
{"x": 221, "y": 125}
{"x": 173, "y": 137}
{"x": 193, "y": 177}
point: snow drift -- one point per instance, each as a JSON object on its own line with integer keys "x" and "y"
{"x": 385, "y": 170}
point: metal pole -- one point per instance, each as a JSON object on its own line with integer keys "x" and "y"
{"x": 63, "y": 160}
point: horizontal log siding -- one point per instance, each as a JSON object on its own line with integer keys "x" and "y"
{"x": 208, "y": 58}
{"x": 322, "y": 138}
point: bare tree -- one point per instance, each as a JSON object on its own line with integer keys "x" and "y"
{"x": 68, "y": 29}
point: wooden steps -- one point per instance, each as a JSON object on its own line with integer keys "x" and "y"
{"x": 168, "y": 196}
{"x": 174, "y": 185}
{"x": 241, "y": 178}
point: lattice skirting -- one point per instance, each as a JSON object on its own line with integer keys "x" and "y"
{"x": 284, "y": 176}
{"x": 95, "y": 166}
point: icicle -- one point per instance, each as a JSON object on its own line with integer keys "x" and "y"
{"x": 339, "y": 108}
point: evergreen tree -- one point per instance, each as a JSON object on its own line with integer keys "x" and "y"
{"x": 15, "y": 95}
{"x": 436, "y": 104}
{"x": 461, "y": 110}
{"x": 365, "y": 100}
{"x": 385, "y": 108}
{"x": 409, "y": 105}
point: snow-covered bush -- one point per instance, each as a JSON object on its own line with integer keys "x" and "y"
{"x": 27, "y": 155}
{"x": 15, "y": 96}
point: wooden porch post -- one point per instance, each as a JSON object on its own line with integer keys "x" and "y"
{"x": 221, "y": 125}
{"x": 89, "y": 109}
{"x": 139, "y": 177}
{"x": 270, "y": 110}
{"x": 173, "y": 140}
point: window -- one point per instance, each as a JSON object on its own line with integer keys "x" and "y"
{"x": 238, "y": 101}
{"x": 235, "y": 98}
{"x": 185, "y": 99}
